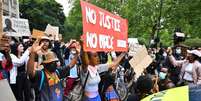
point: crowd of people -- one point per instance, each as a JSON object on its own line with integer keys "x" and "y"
{"x": 172, "y": 67}
{"x": 47, "y": 70}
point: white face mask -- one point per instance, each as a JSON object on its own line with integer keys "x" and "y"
{"x": 73, "y": 52}
{"x": 178, "y": 51}
{"x": 165, "y": 54}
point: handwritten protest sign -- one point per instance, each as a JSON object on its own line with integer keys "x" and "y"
{"x": 37, "y": 33}
{"x": 133, "y": 46}
{"x": 102, "y": 30}
{"x": 16, "y": 27}
{"x": 52, "y": 32}
{"x": 60, "y": 37}
{"x": 140, "y": 60}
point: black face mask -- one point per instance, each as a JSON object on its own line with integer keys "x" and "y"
{"x": 51, "y": 67}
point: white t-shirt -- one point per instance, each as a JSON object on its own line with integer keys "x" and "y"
{"x": 17, "y": 62}
{"x": 188, "y": 72}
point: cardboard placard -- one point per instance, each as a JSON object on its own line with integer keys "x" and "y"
{"x": 60, "y": 37}
{"x": 102, "y": 30}
{"x": 3, "y": 40}
{"x": 16, "y": 27}
{"x": 133, "y": 49}
{"x": 6, "y": 93}
{"x": 52, "y": 32}
{"x": 37, "y": 33}
{"x": 140, "y": 61}
{"x": 133, "y": 45}
{"x": 133, "y": 41}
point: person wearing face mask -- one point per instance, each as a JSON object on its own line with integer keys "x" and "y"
{"x": 165, "y": 82}
{"x": 48, "y": 78}
{"x": 178, "y": 54}
{"x": 189, "y": 67}
{"x": 73, "y": 71}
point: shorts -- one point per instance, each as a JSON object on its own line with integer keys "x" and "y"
{"x": 111, "y": 95}
{"x": 97, "y": 98}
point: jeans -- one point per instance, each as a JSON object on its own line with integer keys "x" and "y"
{"x": 194, "y": 93}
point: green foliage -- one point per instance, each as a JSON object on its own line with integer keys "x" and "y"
{"x": 143, "y": 17}
{"x": 42, "y": 12}
{"x": 73, "y": 23}
{"x": 195, "y": 42}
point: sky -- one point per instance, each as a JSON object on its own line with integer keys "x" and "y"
{"x": 66, "y": 5}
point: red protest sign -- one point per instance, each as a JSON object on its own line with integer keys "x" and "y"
{"x": 102, "y": 30}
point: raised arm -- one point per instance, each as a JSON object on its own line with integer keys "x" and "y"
{"x": 177, "y": 63}
{"x": 20, "y": 61}
{"x": 115, "y": 63}
{"x": 31, "y": 62}
{"x": 85, "y": 60}
{"x": 66, "y": 71}
{"x": 84, "y": 57}
{"x": 173, "y": 60}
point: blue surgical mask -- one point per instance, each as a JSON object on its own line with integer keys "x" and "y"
{"x": 162, "y": 75}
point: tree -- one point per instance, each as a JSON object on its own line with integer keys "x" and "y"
{"x": 195, "y": 42}
{"x": 42, "y": 12}
{"x": 143, "y": 18}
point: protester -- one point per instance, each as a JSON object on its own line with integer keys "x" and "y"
{"x": 92, "y": 68}
{"x": 189, "y": 66}
{"x": 165, "y": 82}
{"x": 44, "y": 50}
{"x": 177, "y": 53}
{"x": 57, "y": 50}
{"x": 18, "y": 77}
{"x": 71, "y": 50}
{"x": 48, "y": 78}
{"x": 5, "y": 59}
{"x": 144, "y": 86}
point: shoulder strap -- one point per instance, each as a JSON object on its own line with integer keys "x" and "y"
{"x": 57, "y": 71}
{"x": 58, "y": 74}
{"x": 85, "y": 82}
{"x": 42, "y": 80}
